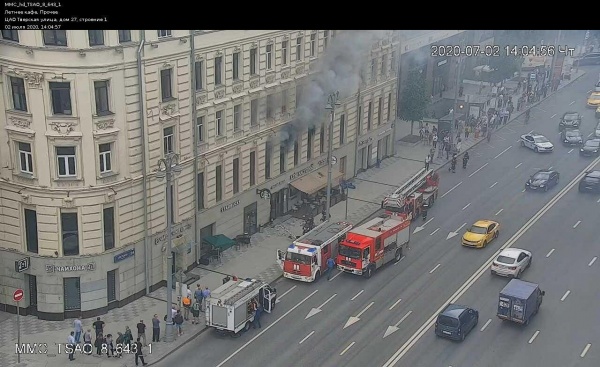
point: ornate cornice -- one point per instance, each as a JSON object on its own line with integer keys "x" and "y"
{"x": 34, "y": 79}
{"x": 63, "y": 128}
{"x": 20, "y": 122}
{"x": 105, "y": 124}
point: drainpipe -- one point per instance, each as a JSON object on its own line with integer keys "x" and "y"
{"x": 147, "y": 249}
{"x": 197, "y": 244}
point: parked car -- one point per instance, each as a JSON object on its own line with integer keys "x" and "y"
{"x": 571, "y": 137}
{"x": 456, "y": 321}
{"x": 511, "y": 262}
{"x": 542, "y": 180}
{"x": 590, "y": 148}
{"x": 538, "y": 143}
{"x": 590, "y": 182}
{"x": 569, "y": 120}
{"x": 593, "y": 58}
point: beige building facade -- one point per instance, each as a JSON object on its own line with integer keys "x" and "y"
{"x": 88, "y": 115}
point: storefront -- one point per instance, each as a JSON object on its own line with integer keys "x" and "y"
{"x": 440, "y": 75}
{"x": 373, "y": 147}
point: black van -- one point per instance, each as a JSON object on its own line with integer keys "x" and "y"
{"x": 456, "y": 321}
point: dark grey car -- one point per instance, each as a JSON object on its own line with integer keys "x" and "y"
{"x": 569, "y": 120}
{"x": 571, "y": 137}
{"x": 590, "y": 148}
{"x": 456, "y": 321}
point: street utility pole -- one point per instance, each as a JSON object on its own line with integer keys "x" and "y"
{"x": 553, "y": 65}
{"x": 453, "y": 114}
{"x": 332, "y": 102}
{"x": 168, "y": 167}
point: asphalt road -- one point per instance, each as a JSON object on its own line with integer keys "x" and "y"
{"x": 435, "y": 267}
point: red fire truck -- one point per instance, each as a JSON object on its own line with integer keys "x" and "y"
{"x": 408, "y": 200}
{"x": 373, "y": 244}
{"x": 306, "y": 258}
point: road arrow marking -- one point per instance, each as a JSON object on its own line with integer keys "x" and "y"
{"x": 354, "y": 319}
{"x": 478, "y": 169}
{"x": 422, "y": 227}
{"x": 486, "y": 324}
{"x": 315, "y": 311}
{"x": 455, "y": 233}
{"x": 306, "y": 337}
{"x": 550, "y": 253}
{"x": 453, "y": 187}
{"x": 283, "y": 295}
{"x": 395, "y": 304}
{"x": 392, "y": 329}
{"x": 593, "y": 261}
{"x": 357, "y": 294}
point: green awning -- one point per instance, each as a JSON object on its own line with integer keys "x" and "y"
{"x": 219, "y": 241}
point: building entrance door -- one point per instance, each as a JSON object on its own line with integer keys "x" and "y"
{"x": 250, "y": 218}
{"x": 33, "y": 302}
{"x": 72, "y": 294}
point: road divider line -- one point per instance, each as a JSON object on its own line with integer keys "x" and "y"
{"x": 550, "y": 168}
{"x": 486, "y": 324}
{"x": 537, "y": 332}
{"x": 564, "y": 297}
{"x": 478, "y": 169}
{"x": 499, "y": 211}
{"x": 357, "y": 294}
{"x": 399, "y": 261}
{"x": 585, "y": 350}
{"x": 347, "y": 348}
{"x": 403, "y": 318}
{"x": 570, "y": 150}
{"x": 598, "y": 201}
{"x": 573, "y": 102}
{"x": 593, "y": 261}
{"x": 266, "y": 329}
{"x": 494, "y": 184}
{"x": 466, "y": 206}
{"x": 434, "y": 232}
{"x": 413, "y": 339}
{"x": 576, "y": 224}
{"x": 365, "y": 309}
{"x": 435, "y": 268}
{"x": 502, "y": 152}
{"x": 395, "y": 304}
{"x": 518, "y": 165}
{"x": 286, "y": 292}
{"x": 523, "y": 190}
{"x": 306, "y": 337}
{"x": 590, "y": 134}
{"x": 553, "y": 116}
{"x": 550, "y": 253}
{"x": 453, "y": 187}
{"x": 335, "y": 276}
{"x": 530, "y": 132}
{"x": 327, "y": 301}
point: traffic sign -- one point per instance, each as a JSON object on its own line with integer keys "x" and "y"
{"x": 333, "y": 160}
{"x": 22, "y": 264}
{"x": 18, "y": 295}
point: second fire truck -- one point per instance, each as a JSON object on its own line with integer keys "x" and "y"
{"x": 410, "y": 198}
{"x": 373, "y": 244}
{"x": 306, "y": 258}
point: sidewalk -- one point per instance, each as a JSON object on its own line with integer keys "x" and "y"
{"x": 255, "y": 261}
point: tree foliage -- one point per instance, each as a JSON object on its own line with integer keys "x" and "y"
{"x": 505, "y": 64}
{"x": 414, "y": 99}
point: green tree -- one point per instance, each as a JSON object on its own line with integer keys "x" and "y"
{"x": 505, "y": 65}
{"x": 414, "y": 99}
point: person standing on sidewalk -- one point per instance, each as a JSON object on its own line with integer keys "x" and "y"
{"x": 198, "y": 293}
{"x": 196, "y": 313}
{"x": 435, "y": 139}
{"x": 78, "y": 327}
{"x": 71, "y": 343}
{"x": 87, "y": 341}
{"x": 155, "y": 329}
{"x": 427, "y": 161}
{"x": 98, "y": 326}
{"x": 330, "y": 266}
{"x": 139, "y": 354}
{"x": 178, "y": 320}
{"x": 141, "y": 329}
{"x": 205, "y": 296}
{"x": 187, "y": 305}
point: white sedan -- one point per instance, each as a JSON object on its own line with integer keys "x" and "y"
{"x": 511, "y": 262}
{"x": 539, "y": 143}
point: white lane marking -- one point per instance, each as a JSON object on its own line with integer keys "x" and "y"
{"x": 593, "y": 261}
{"x": 549, "y": 253}
{"x": 364, "y": 310}
{"x": 553, "y": 116}
{"x": 494, "y": 184}
{"x": 434, "y": 269}
{"x": 266, "y": 329}
{"x": 502, "y": 152}
{"x": 395, "y": 304}
{"x": 483, "y": 269}
{"x": 486, "y": 325}
{"x": 530, "y": 132}
{"x": 466, "y": 206}
{"x": 585, "y": 350}
{"x": 550, "y": 168}
{"x": 534, "y": 336}
{"x": 335, "y": 276}
{"x": 571, "y": 150}
{"x": 354, "y": 319}
{"x": 327, "y": 301}
{"x": 576, "y": 224}
{"x": 317, "y": 310}
{"x": 347, "y": 348}
{"x": 499, "y": 211}
{"x": 403, "y": 318}
{"x": 434, "y": 232}
{"x": 518, "y": 165}
{"x": 590, "y": 134}
{"x": 564, "y": 297}
{"x": 286, "y": 292}
{"x": 570, "y": 104}
{"x": 453, "y": 187}
{"x": 598, "y": 201}
{"x": 477, "y": 170}
{"x": 306, "y": 337}
{"x": 399, "y": 261}
{"x": 523, "y": 190}
{"x": 357, "y": 294}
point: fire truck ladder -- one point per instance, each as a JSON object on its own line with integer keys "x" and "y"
{"x": 412, "y": 185}
{"x": 236, "y": 297}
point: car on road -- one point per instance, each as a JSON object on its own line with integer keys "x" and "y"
{"x": 593, "y": 100}
{"x": 597, "y": 131}
{"x": 569, "y": 120}
{"x": 590, "y": 182}
{"x": 481, "y": 233}
{"x": 456, "y": 321}
{"x": 571, "y": 137}
{"x": 593, "y": 58}
{"x": 538, "y": 143}
{"x": 597, "y": 87}
{"x": 543, "y": 179}
{"x": 511, "y": 262}
{"x": 590, "y": 148}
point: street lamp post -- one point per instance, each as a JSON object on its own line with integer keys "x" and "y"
{"x": 332, "y": 102}
{"x": 168, "y": 167}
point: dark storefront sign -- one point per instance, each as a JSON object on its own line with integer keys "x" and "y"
{"x": 125, "y": 255}
{"x": 230, "y": 205}
{"x": 70, "y": 268}
{"x": 296, "y": 175}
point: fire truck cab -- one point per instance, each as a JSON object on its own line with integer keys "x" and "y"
{"x": 306, "y": 259}
{"x": 373, "y": 244}
{"x": 409, "y": 199}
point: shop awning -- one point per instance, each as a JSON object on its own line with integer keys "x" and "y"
{"x": 317, "y": 180}
{"x": 219, "y": 241}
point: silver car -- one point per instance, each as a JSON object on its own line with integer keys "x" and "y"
{"x": 511, "y": 262}
{"x": 538, "y": 143}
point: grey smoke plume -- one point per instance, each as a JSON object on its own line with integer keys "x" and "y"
{"x": 338, "y": 69}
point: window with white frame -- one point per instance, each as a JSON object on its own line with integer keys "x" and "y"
{"x": 219, "y": 123}
{"x": 313, "y": 44}
{"x": 96, "y": 38}
{"x": 164, "y": 33}
{"x": 25, "y": 158}
{"x": 284, "y": 52}
{"x": 66, "y": 161}
{"x": 299, "y": 49}
{"x": 325, "y": 38}
{"x": 200, "y": 128}
{"x": 237, "y": 117}
{"x": 269, "y": 52}
{"x": 168, "y": 140}
{"x": 105, "y": 156}
{"x": 17, "y": 86}
{"x": 253, "y": 61}
{"x": 101, "y": 94}
{"x": 218, "y": 70}
{"x": 236, "y": 65}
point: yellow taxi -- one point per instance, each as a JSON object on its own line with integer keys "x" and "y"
{"x": 593, "y": 100}
{"x": 481, "y": 233}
